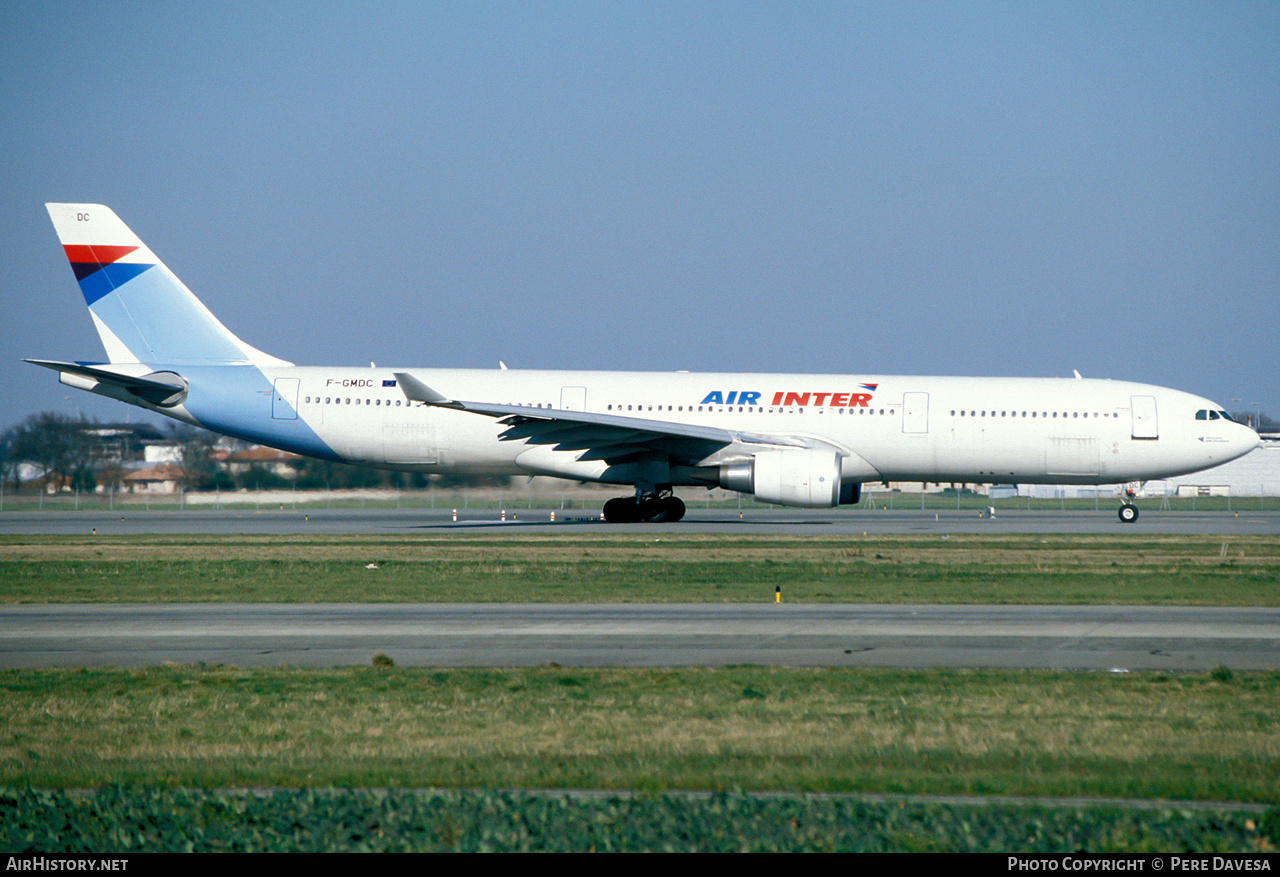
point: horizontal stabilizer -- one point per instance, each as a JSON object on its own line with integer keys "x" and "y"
{"x": 165, "y": 389}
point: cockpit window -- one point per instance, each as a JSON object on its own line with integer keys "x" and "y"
{"x": 1225, "y": 416}
{"x": 1202, "y": 414}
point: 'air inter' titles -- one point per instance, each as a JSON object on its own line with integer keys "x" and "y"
{"x": 785, "y": 398}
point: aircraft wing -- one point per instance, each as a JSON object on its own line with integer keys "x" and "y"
{"x": 609, "y": 437}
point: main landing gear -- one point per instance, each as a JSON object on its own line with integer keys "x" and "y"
{"x": 650, "y": 507}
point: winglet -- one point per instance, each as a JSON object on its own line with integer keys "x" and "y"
{"x": 416, "y": 391}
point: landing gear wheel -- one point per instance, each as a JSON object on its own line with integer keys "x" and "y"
{"x": 667, "y": 509}
{"x": 674, "y": 507}
{"x": 1128, "y": 513}
{"x": 621, "y": 510}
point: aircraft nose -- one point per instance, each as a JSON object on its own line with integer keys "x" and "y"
{"x": 1245, "y": 441}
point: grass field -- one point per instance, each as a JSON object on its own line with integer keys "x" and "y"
{"x": 1101, "y": 569}
{"x": 1159, "y": 736}
{"x": 126, "y": 820}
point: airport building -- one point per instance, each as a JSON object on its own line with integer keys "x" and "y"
{"x": 1254, "y": 474}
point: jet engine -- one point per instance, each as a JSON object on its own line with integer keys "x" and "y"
{"x": 802, "y": 477}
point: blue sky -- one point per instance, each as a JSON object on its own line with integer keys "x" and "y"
{"x": 856, "y": 188}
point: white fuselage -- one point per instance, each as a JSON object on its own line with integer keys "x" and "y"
{"x": 940, "y": 429}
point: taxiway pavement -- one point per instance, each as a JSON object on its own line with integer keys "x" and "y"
{"x": 1117, "y": 638}
{"x": 824, "y": 522}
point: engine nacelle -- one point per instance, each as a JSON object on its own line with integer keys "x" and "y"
{"x": 804, "y": 478}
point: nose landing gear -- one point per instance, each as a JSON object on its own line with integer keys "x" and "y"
{"x": 1129, "y": 511}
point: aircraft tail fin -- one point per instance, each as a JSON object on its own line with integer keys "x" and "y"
{"x": 142, "y": 311}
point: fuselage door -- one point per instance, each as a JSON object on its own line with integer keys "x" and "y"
{"x": 573, "y": 398}
{"x": 915, "y": 412}
{"x": 284, "y": 401}
{"x": 1143, "y": 409}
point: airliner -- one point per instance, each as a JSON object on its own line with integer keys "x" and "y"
{"x": 801, "y": 440}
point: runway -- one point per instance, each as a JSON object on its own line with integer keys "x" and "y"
{"x": 1107, "y": 638}
{"x": 801, "y": 522}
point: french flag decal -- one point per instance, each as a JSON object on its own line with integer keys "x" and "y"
{"x": 868, "y": 386}
{"x": 86, "y": 260}
{"x": 99, "y": 269}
